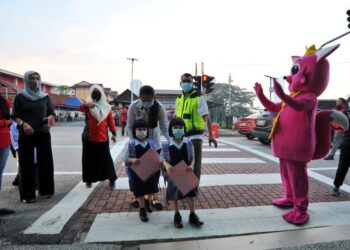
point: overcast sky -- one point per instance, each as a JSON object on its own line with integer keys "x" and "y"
{"x": 68, "y": 41}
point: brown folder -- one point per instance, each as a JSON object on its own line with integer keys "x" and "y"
{"x": 149, "y": 164}
{"x": 183, "y": 179}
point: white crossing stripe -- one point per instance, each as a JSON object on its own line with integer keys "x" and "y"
{"x": 206, "y": 144}
{"x": 67, "y": 146}
{"x": 55, "y": 173}
{"x": 231, "y": 160}
{"x": 218, "y": 222}
{"x": 53, "y": 221}
{"x": 219, "y": 180}
{"x": 311, "y": 173}
{"x": 220, "y": 150}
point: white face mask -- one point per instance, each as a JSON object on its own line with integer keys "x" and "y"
{"x": 147, "y": 104}
{"x": 141, "y": 134}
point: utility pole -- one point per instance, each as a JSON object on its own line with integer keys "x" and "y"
{"x": 230, "y": 92}
{"x": 132, "y": 76}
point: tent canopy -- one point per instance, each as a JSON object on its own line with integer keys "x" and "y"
{"x": 74, "y": 102}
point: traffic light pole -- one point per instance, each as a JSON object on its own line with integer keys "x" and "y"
{"x": 132, "y": 77}
{"x": 230, "y": 93}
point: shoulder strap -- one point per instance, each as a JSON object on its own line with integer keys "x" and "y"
{"x": 131, "y": 146}
{"x": 165, "y": 147}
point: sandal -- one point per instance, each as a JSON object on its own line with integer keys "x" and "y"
{"x": 156, "y": 204}
{"x": 134, "y": 202}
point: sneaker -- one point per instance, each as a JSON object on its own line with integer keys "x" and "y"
{"x": 143, "y": 214}
{"x": 88, "y": 184}
{"x": 335, "y": 192}
{"x": 156, "y": 204}
{"x": 194, "y": 220}
{"x": 134, "y": 202}
{"x": 6, "y": 211}
{"x": 178, "y": 220}
{"x": 329, "y": 158}
{"x": 148, "y": 206}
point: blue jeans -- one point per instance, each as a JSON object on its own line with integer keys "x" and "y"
{"x": 4, "y": 154}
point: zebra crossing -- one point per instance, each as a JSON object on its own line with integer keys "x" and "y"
{"x": 218, "y": 221}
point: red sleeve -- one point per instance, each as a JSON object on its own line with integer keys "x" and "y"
{"x": 111, "y": 124}
{"x": 83, "y": 108}
{"x": 3, "y": 122}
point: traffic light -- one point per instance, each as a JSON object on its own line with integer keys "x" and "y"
{"x": 208, "y": 83}
{"x": 197, "y": 82}
{"x": 348, "y": 13}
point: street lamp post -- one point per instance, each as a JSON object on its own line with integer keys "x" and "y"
{"x": 229, "y": 82}
{"x": 132, "y": 75}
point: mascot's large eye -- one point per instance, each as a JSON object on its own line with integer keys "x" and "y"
{"x": 295, "y": 69}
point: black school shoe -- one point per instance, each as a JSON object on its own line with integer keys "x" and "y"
{"x": 143, "y": 214}
{"x": 134, "y": 202}
{"x": 178, "y": 220}
{"x": 148, "y": 206}
{"x": 156, "y": 204}
{"x": 194, "y": 220}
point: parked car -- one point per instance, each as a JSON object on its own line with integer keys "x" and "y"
{"x": 263, "y": 125}
{"x": 245, "y": 126}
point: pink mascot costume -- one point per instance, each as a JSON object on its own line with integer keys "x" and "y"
{"x": 299, "y": 134}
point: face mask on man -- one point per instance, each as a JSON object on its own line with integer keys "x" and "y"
{"x": 178, "y": 132}
{"x": 186, "y": 86}
{"x": 141, "y": 134}
{"x": 147, "y": 104}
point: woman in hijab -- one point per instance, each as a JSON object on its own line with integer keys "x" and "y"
{"x": 5, "y": 142}
{"x": 31, "y": 110}
{"x": 97, "y": 161}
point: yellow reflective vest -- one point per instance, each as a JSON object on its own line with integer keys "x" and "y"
{"x": 187, "y": 109}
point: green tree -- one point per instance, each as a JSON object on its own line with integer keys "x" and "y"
{"x": 64, "y": 89}
{"x": 241, "y": 99}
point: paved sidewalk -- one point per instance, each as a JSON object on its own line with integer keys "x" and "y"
{"x": 105, "y": 201}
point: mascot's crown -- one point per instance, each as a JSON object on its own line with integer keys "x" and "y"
{"x": 311, "y": 50}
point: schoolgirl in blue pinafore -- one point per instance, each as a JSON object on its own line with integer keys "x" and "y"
{"x": 174, "y": 151}
{"x": 136, "y": 148}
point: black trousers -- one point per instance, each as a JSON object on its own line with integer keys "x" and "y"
{"x": 123, "y": 128}
{"x": 27, "y": 168}
{"x": 343, "y": 166}
{"x": 197, "y": 145}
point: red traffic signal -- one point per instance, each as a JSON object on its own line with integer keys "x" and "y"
{"x": 348, "y": 13}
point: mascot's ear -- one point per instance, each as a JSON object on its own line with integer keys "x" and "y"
{"x": 323, "y": 53}
{"x": 295, "y": 58}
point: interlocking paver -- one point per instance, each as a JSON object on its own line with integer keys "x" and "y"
{"x": 106, "y": 201}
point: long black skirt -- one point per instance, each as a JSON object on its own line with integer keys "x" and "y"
{"x": 97, "y": 162}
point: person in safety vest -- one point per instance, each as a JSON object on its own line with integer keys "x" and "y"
{"x": 193, "y": 109}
